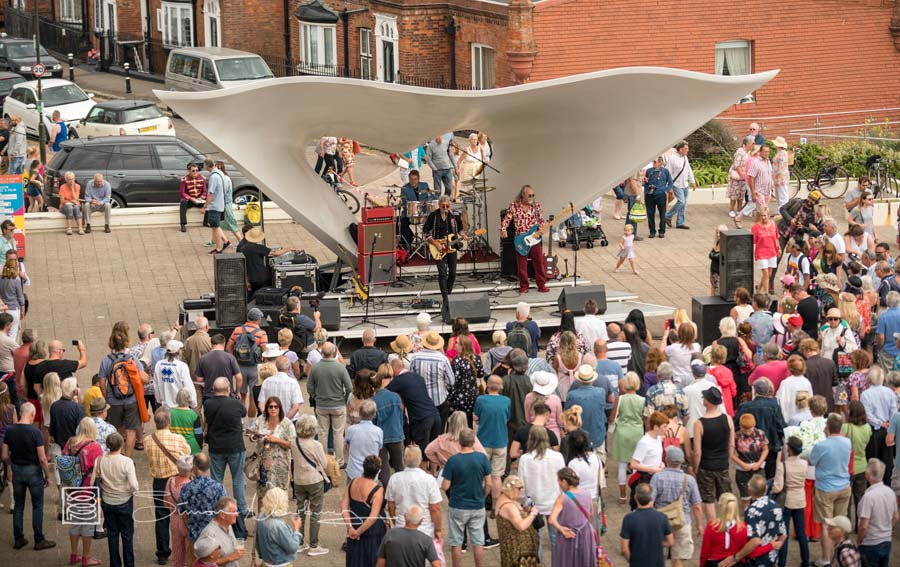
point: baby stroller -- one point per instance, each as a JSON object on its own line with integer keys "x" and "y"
{"x": 582, "y": 229}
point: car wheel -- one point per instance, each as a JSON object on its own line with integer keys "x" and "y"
{"x": 73, "y": 134}
{"x": 117, "y": 201}
{"x": 246, "y": 195}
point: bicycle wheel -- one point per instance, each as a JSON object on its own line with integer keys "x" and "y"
{"x": 794, "y": 183}
{"x": 349, "y": 199}
{"x": 874, "y": 181}
{"x": 833, "y": 184}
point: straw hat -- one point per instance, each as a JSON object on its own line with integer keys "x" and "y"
{"x": 779, "y": 142}
{"x": 401, "y": 344}
{"x": 255, "y": 235}
{"x": 433, "y": 341}
{"x": 586, "y": 374}
{"x": 543, "y": 382}
{"x": 828, "y": 281}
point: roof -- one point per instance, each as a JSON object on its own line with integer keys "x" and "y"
{"x": 119, "y": 140}
{"x": 15, "y": 40}
{"x": 47, "y": 83}
{"x": 125, "y": 104}
{"x": 317, "y": 13}
{"x": 216, "y": 51}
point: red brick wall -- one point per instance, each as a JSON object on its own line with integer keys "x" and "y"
{"x": 256, "y": 26}
{"x": 833, "y": 55}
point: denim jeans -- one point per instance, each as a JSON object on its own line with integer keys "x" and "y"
{"x": 877, "y": 555}
{"x": 630, "y": 200}
{"x": 681, "y": 197}
{"x": 443, "y": 177}
{"x": 551, "y": 533}
{"x": 120, "y": 524}
{"x": 795, "y": 515}
{"x": 656, "y": 203}
{"x": 16, "y": 165}
{"x": 28, "y": 477}
{"x": 235, "y": 462}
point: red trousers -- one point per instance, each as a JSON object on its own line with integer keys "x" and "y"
{"x": 538, "y": 263}
{"x": 813, "y": 529}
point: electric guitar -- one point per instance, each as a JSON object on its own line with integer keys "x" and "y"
{"x": 450, "y": 244}
{"x": 525, "y": 241}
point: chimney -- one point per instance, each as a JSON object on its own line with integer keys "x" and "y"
{"x": 521, "y": 48}
{"x": 895, "y": 25}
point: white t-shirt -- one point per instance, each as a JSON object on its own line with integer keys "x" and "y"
{"x": 168, "y": 379}
{"x": 591, "y": 328}
{"x": 787, "y": 394}
{"x": 313, "y": 356}
{"x": 838, "y": 240}
{"x": 648, "y": 451}
{"x": 798, "y": 264}
{"x": 539, "y": 478}
{"x": 694, "y": 394}
{"x": 414, "y": 487}
{"x": 680, "y": 358}
{"x": 588, "y": 472}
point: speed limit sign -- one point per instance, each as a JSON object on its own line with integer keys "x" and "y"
{"x": 38, "y": 69}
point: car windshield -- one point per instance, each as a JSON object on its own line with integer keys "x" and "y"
{"x": 63, "y": 94}
{"x": 23, "y": 50}
{"x": 140, "y": 114}
{"x": 7, "y": 84}
{"x": 243, "y": 69}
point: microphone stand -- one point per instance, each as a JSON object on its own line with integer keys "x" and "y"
{"x": 365, "y": 319}
{"x": 483, "y": 193}
{"x": 575, "y": 247}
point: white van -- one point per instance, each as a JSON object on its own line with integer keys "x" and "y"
{"x": 211, "y": 68}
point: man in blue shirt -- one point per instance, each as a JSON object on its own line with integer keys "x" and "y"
{"x": 893, "y": 432}
{"x": 491, "y": 414}
{"x": 389, "y": 417}
{"x": 609, "y": 373}
{"x": 656, "y": 188}
{"x": 97, "y": 196}
{"x": 214, "y": 209}
{"x": 414, "y": 191}
{"x": 830, "y": 457}
{"x": 593, "y": 407}
{"x": 465, "y": 476}
{"x": 888, "y": 324}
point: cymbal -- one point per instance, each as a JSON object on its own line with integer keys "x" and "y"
{"x": 391, "y": 186}
{"x": 487, "y": 189}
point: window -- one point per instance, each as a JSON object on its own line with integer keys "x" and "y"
{"x": 177, "y": 24}
{"x": 733, "y": 58}
{"x": 140, "y": 114}
{"x": 173, "y": 157}
{"x": 209, "y": 73}
{"x": 70, "y": 10}
{"x": 482, "y": 67}
{"x": 92, "y": 159}
{"x": 186, "y": 65}
{"x": 317, "y": 46}
{"x": 387, "y": 52}
{"x": 365, "y": 53}
{"x": 243, "y": 69}
{"x": 98, "y": 14}
{"x": 131, "y": 157}
{"x": 212, "y": 23}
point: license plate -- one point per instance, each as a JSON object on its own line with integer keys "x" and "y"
{"x": 146, "y": 129}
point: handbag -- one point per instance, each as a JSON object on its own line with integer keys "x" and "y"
{"x": 781, "y": 497}
{"x": 638, "y": 212}
{"x": 251, "y": 467}
{"x": 326, "y": 481}
{"x": 734, "y": 175}
{"x": 674, "y": 511}
{"x": 602, "y": 557}
{"x": 842, "y": 362}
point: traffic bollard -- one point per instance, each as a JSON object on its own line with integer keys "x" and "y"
{"x": 71, "y": 68}
{"x": 127, "y": 78}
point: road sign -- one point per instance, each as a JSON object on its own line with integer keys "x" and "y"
{"x": 38, "y": 69}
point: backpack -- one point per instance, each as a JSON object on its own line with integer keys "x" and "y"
{"x": 246, "y": 351}
{"x": 69, "y": 468}
{"x": 668, "y": 441}
{"x": 519, "y": 337}
{"x": 302, "y": 336}
{"x": 125, "y": 372}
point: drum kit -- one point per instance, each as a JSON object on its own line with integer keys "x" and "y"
{"x": 470, "y": 209}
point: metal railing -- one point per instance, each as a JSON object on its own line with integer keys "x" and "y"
{"x": 58, "y": 37}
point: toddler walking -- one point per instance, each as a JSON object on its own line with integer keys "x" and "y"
{"x": 626, "y": 249}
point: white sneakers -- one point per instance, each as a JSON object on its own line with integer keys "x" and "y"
{"x": 314, "y": 551}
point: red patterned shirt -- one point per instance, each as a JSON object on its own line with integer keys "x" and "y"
{"x": 523, "y": 216}
{"x": 193, "y": 187}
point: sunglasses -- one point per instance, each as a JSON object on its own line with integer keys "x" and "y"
{"x": 833, "y": 319}
{"x": 273, "y": 406}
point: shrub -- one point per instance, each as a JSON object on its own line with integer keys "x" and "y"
{"x": 707, "y": 174}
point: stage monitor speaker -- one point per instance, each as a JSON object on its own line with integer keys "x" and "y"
{"x": 736, "y": 262}
{"x": 329, "y": 314}
{"x": 384, "y": 268}
{"x": 573, "y": 298}
{"x": 706, "y": 312}
{"x": 508, "y": 267}
{"x": 384, "y": 234}
{"x": 476, "y": 308}
{"x": 231, "y": 293}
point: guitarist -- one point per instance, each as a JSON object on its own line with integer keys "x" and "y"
{"x": 525, "y": 213}
{"x": 441, "y": 228}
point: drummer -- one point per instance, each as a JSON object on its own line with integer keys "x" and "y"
{"x": 415, "y": 190}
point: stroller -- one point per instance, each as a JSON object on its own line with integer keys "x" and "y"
{"x": 582, "y": 229}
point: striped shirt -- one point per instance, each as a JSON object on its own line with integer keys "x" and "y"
{"x": 760, "y": 169}
{"x": 620, "y": 352}
{"x": 283, "y": 387}
{"x": 434, "y": 367}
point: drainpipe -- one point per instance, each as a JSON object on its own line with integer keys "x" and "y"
{"x": 288, "y": 67}
{"x": 450, "y": 30}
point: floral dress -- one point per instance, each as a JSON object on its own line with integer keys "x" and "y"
{"x": 347, "y": 152}
{"x": 275, "y": 460}
{"x": 737, "y": 187}
{"x": 553, "y": 345}
{"x": 780, "y": 169}
{"x": 465, "y": 390}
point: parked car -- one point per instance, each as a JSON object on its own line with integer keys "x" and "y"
{"x": 18, "y": 56}
{"x": 142, "y": 170}
{"x": 72, "y": 103}
{"x": 211, "y": 68}
{"x": 7, "y": 82}
{"x": 125, "y": 118}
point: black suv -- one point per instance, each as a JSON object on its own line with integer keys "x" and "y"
{"x": 142, "y": 170}
{"x": 18, "y": 56}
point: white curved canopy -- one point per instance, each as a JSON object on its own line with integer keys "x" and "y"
{"x": 571, "y": 138}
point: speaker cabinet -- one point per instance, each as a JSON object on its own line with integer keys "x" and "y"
{"x": 573, "y": 298}
{"x": 476, "y": 308}
{"x": 736, "y": 262}
{"x": 384, "y": 268}
{"x": 329, "y": 313}
{"x": 383, "y": 233}
{"x": 231, "y": 293}
{"x": 706, "y": 312}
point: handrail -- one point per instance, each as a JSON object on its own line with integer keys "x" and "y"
{"x": 814, "y": 115}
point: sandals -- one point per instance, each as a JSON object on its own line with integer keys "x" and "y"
{"x": 90, "y": 561}
{"x": 74, "y": 559}
{"x": 81, "y": 231}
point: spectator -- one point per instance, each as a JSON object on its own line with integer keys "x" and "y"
{"x": 774, "y": 368}
{"x": 679, "y": 353}
{"x": 888, "y": 327}
{"x": 566, "y": 325}
{"x": 281, "y": 386}
{"x": 274, "y": 433}
{"x": 185, "y": 420}
{"x": 880, "y": 404}
{"x": 832, "y": 493}
{"x": 171, "y": 375}
{"x": 792, "y": 385}
{"x": 65, "y": 413}
{"x": 647, "y": 459}
{"x": 220, "y": 533}
{"x": 278, "y": 537}
{"x": 468, "y": 371}
{"x": 670, "y": 485}
{"x": 197, "y": 500}
{"x": 69, "y": 202}
{"x": 329, "y": 387}
{"x": 424, "y": 420}
{"x": 301, "y": 325}
{"x": 790, "y": 478}
{"x": 665, "y": 392}
{"x": 765, "y": 526}
{"x": 224, "y": 426}
{"x": 541, "y": 418}
{"x": 518, "y": 539}
{"x": 571, "y": 518}
{"x": 723, "y": 376}
{"x": 432, "y": 365}
{"x": 618, "y": 350}
{"x": 713, "y": 443}
{"x": 846, "y": 554}
{"x": 679, "y": 167}
{"x": 587, "y": 466}
{"x": 361, "y": 510}
{"x": 629, "y": 428}
{"x": 310, "y": 476}
{"x": 593, "y": 407}
{"x": 163, "y": 450}
{"x": 524, "y": 321}
{"x": 516, "y": 386}
{"x": 645, "y": 531}
{"x": 13, "y": 297}
{"x": 464, "y": 478}
{"x": 609, "y": 372}
{"x": 369, "y": 356}
{"x": 217, "y": 363}
{"x": 413, "y": 487}
{"x": 537, "y": 469}
{"x": 84, "y": 446}
{"x": 97, "y": 411}
{"x": 590, "y": 325}
{"x": 178, "y": 532}
{"x": 726, "y": 535}
{"x": 119, "y": 486}
{"x": 768, "y": 418}
{"x": 362, "y": 439}
{"x": 123, "y": 412}
{"x": 97, "y": 198}
{"x": 197, "y": 345}
{"x": 447, "y": 444}
{"x": 751, "y": 447}
{"x": 407, "y": 546}
{"x": 693, "y": 393}
{"x": 44, "y": 360}
{"x": 388, "y": 418}
{"x": 858, "y": 431}
{"x": 492, "y": 412}
{"x": 193, "y": 193}
{"x": 249, "y": 354}
{"x": 877, "y": 517}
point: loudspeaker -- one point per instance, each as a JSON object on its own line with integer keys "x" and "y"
{"x": 736, "y": 262}
{"x": 329, "y": 314}
{"x": 573, "y": 298}
{"x": 706, "y": 312}
{"x": 384, "y": 268}
{"x": 476, "y": 308}
{"x": 231, "y": 293}
{"x": 384, "y": 233}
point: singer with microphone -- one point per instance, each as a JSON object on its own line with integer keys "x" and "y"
{"x": 442, "y": 230}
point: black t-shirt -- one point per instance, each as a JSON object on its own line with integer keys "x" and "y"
{"x": 438, "y": 227}
{"x": 225, "y": 424}
{"x": 411, "y": 389}
{"x": 216, "y": 364}
{"x": 523, "y": 432}
{"x": 4, "y": 139}
{"x": 23, "y": 441}
{"x": 645, "y": 529}
{"x": 257, "y": 261}
{"x": 65, "y": 415}
{"x": 34, "y": 373}
{"x": 808, "y": 309}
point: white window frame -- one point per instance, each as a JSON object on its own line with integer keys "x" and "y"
{"x": 737, "y": 44}
{"x": 386, "y": 31}
{"x": 212, "y": 11}
{"x": 366, "y": 37}
{"x": 19, "y": 4}
{"x": 70, "y": 11}
{"x": 182, "y": 11}
{"x": 478, "y": 76}
{"x": 318, "y": 62}
{"x": 98, "y": 14}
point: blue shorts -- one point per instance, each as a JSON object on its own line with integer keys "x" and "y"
{"x": 471, "y": 521}
{"x": 34, "y": 190}
{"x": 213, "y": 218}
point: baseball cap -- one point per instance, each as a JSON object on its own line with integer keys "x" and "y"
{"x": 174, "y": 346}
{"x": 205, "y": 546}
{"x": 788, "y": 280}
{"x": 255, "y": 314}
{"x": 675, "y": 454}
{"x": 698, "y": 367}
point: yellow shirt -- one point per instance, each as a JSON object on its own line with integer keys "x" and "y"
{"x": 92, "y": 394}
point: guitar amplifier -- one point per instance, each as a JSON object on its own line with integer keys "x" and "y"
{"x": 377, "y": 214}
{"x": 303, "y": 275}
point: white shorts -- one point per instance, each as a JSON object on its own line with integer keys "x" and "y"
{"x": 767, "y": 263}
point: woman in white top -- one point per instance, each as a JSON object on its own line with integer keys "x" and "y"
{"x": 648, "y": 453}
{"x": 864, "y": 214}
{"x": 679, "y": 353}
{"x": 537, "y": 469}
{"x": 744, "y": 306}
{"x": 796, "y": 382}
{"x": 835, "y": 334}
{"x": 471, "y": 162}
{"x": 857, "y": 241}
{"x": 589, "y": 469}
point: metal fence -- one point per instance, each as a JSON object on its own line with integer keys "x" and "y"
{"x": 56, "y": 36}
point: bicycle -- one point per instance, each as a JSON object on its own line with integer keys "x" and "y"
{"x": 830, "y": 179}
{"x": 884, "y": 184}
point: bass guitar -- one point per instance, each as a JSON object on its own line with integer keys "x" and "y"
{"x": 525, "y": 241}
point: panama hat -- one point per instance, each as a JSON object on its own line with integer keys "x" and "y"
{"x": 433, "y": 341}
{"x": 255, "y": 235}
{"x": 543, "y": 382}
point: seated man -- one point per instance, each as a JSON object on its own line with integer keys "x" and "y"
{"x": 69, "y": 204}
{"x": 97, "y": 197}
{"x": 193, "y": 193}
{"x": 415, "y": 190}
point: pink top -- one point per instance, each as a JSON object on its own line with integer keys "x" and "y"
{"x": 451, "y": 347}
{"x": 725, "y": 380}
{"x": 443, "y": 448}
{"x": 775, "y": 371}
{"x": 554, "y": 403}
{"x": 765, "y": 241}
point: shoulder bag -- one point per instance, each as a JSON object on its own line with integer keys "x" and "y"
{"x": 164, "y": 450}
{"x": 674, "y": 511}
{"x": 602, "y": 557}
{"x": 327, "y": 481}
{"x": 782, "y": 496}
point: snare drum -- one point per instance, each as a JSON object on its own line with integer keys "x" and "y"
{"x": 415, "y": 211}
{"x": 462, "y": 213}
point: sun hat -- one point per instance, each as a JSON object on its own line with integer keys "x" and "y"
{"x": 255, "y": 235}
{"x": 98, "y": 406}
{"x": 433, "y": 341}
{"x": 779, "y": 142}
{"x": 828, "y": 281}
{"x": 173, "y": 346}
{"x": 273, "y": 350}
{"x": 586, "y": 374}
{"x": 543, "y": 382}
{"x": 401, "y": 344}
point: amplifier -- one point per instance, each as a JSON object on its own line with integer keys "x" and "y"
{"x": 304, "y": 275}
{"x": 384, "y": 234}
{"x": 735, "y": 263}
{"x": 273, "y": 296}
{"x": 377, "y": 214}
{"x": 202, "y": 304}
{"x": 231, "y": 295}
{"x": 384, "y": 268}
